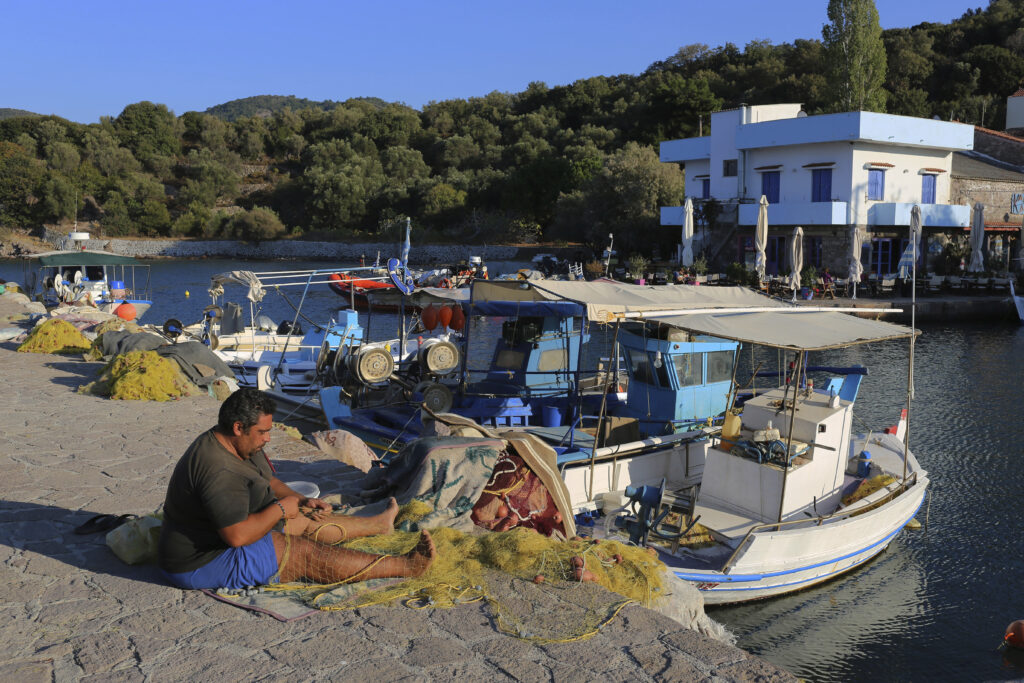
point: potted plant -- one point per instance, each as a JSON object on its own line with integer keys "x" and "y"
{"x": 637, "y": 267}
{"x": 808, "y": 280}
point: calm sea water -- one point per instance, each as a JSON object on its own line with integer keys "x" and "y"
{"x": 935, "y": 604}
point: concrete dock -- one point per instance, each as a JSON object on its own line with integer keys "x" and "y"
{"x": 72, "y": 611}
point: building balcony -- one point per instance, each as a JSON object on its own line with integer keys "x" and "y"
{"x": 937, "y": 215}
{"x": 794, "y": 213}
{"x": 687, "y": 149}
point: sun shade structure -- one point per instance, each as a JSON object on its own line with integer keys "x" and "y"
{"x": 84, "y": 258}
{"x": 688, "y": 233}
{"x": 789, "y": 328}
{"x": 603, "y": 301}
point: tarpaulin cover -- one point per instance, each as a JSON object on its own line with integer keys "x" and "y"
{"x": 601, "y": 300}
{"x": 790, "y": 329}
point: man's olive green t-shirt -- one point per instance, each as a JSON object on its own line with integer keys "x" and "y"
{"x": 211, "y": 488}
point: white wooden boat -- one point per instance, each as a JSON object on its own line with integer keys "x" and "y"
{"x": 1018, "y": 301}
{"x": 774, "y": 495}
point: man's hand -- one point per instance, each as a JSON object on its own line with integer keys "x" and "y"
{"x": 290, "y": 505}
{"x": 315, "y": 504}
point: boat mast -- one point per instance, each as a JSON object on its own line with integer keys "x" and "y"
{"x": 795, "y": 381}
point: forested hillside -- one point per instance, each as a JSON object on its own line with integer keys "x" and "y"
{"x": 569, "y": 162}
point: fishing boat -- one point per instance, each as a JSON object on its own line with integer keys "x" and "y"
{"x": 1018, "y": 301}
{"x": 786, "y": 494}
{"x": 790, "y": 495}
{"x": 89, "y": 278}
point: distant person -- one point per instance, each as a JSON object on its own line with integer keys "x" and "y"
{"x": 229, "y": 522}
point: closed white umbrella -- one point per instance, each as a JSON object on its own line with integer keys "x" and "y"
{"x": 761, "y": 237}
{"x": 977, "y": 239}
{"x": 856, "y": 269}
{"x": 688, "y": 233}
{"x": 796, "y": 258}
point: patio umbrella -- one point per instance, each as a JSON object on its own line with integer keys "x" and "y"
{"x": 796, "y": 258}
{"x": 977, "y": 239}
{"x": 909, "y": 257}
{"x": 856, "y": 269}
{"x": 761, "y": 237}
{"x": 688, "y": 233}
{"x": 405, "y": 244}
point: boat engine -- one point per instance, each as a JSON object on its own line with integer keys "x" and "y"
{"x": 653, "y": 510}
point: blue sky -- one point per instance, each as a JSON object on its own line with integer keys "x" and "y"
{"x": 83, "y": 59}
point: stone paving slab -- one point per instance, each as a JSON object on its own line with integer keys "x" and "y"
{"x": 70, "y": 610}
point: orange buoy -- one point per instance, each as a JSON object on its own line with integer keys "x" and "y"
{"x": 1015, "y": 635}
{"x": 125, "y": 311}
{"x": 429, "y": 318}
{"x": 444, "y": 316}
{"x": 458, "y": 318}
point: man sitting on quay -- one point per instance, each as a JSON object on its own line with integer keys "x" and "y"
{"x": 229, "y": 522}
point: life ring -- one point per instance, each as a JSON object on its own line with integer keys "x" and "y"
{"x": 445, "y": 283}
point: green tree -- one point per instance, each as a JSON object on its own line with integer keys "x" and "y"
{"x": 254, "y": 225}
{"x": 20, "y": 179}
{"x": 147, "y": 129}
{"x": 855, "y": 56}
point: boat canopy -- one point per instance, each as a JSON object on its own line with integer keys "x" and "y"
{"x": 84, "y": 258}
{"x": 789, "y": 328}
{"x": 603, "y": 301}
{"x": 245, "y": 278}
{"x": 421, "y": 296}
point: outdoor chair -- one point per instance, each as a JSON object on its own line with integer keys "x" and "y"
{"x": 934, "y": 284}
{"x": 886, "y": 286}
{"x": 828, "y": 289}
{"x": 955, "y": 283}
{"x": 1000, "y": 284}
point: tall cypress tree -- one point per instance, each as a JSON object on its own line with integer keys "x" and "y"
{"x": 854, "y": 56}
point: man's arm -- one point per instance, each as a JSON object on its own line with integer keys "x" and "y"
{"x": 257, "y": 524}
{"x": 282, "y": 490}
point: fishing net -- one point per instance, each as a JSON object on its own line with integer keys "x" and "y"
{"x": 55, "y": 336}
{"x": 141, "y": 376}
{"x": 539, "y": 588}
{"x": 867, "y": 487}
{"x": 112, "y": 325}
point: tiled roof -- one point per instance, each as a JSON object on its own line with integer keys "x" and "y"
{"x": 881, "y": 164}
{"x": 1019, "y": 93}
{"x": 999, "y": 134}
{"x": 820, "y": 164}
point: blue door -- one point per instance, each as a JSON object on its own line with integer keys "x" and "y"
{"x": 705, "y": 188}
{"x": 821, "y": 185}
{"x": 876, "y": 184}
{"x": 928, "y": 189}
{"x": 770, "y": 186}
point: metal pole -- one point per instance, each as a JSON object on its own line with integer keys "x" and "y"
{"x": 792, "y": 423}
{"x": 601, "y": 414}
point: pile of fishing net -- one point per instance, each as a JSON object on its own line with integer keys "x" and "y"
{"x": 55, "y": 336}
{"x": 141, "y": 376}
{"x": 867, "y": 487}
{"x": 539, "y": 588}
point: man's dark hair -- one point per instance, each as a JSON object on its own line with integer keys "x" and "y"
{"x": 245, "y": 406}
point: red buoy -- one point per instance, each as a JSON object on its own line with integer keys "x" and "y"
{"x": 444, "y": 316}
{"x": 429, "y": 318}
{"x": 458, "y": 318}
{"x": 1015, "y": 635}
{"x": 125, "y": 311}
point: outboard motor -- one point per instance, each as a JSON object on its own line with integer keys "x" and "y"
{"x": 286, "y": 327}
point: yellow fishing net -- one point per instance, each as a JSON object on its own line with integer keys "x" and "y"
{"x": 539, "y": 588}
{"x": 112, "y": 325}
{"x": 867, "y": 487}
{"x": 141, "y": 376}
{"x": 55, "y": 336}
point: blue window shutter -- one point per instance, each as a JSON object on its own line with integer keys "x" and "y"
{"x": 705, "y": 188}
{"x": 876, "y": 184}
{"x": 770, "y": 186}
{"x": 928, "y": 189}
{"x": 821, "y": 185}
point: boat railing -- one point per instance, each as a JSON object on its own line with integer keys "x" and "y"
{"x": 817, "y": 521}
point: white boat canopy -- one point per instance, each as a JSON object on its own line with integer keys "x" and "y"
{"x": 239, "y": 277}
{"x": 603, "y": 300}
{"x": 789, "y": 329}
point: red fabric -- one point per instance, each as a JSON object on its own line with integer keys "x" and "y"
{"x": 515, "y": 496}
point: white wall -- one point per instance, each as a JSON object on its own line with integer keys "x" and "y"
{"x": 1015, "y": 112}
{"x": 723, "y": 146}
{"x": 794, "y": 179}
{"x": 902, "y": 182}
{"x": 696, "y": 168}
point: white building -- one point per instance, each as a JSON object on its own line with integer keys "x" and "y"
{"x": 824, "y": 173}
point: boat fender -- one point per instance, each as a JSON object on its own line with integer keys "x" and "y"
{"x": 1015, "y": 635}
{"x": 445, "y": 283}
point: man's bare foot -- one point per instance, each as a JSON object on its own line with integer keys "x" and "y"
{"x": 422, "y": 556}
{"x": 386, "y": 519}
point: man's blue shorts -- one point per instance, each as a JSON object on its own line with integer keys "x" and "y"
{"x": 248, "y": 565}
